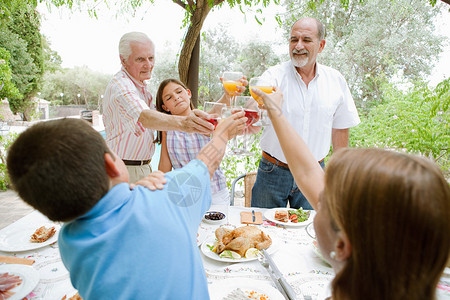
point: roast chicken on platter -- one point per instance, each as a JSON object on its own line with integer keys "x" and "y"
{"x": 241, "y": 239}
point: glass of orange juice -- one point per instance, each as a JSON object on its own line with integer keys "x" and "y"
{"x": 230, "y": 81}
{"x": 265, "y": 85}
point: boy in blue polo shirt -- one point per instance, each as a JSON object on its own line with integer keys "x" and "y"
{"x": 117, "y": 242}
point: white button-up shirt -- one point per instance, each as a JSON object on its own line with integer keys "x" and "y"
{"x": 125, "y": 99}
{"x": 314, "y": 110}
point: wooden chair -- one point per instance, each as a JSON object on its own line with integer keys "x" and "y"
{"x": 249, "y": 181}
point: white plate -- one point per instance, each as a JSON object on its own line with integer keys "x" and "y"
{"x": 202, "y": 234}
{"x": 219, "y": 290}
{"x": 315, "y": 285}
{"x": 270, "y": 215}
{"x": 16, "y": 239}
{"x": 210, "y": 241}
{"x": 29, "y": 276}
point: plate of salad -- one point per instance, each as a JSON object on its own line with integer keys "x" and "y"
{"x": 289, "y": 216}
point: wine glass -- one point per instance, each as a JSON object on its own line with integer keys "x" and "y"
{"x": 230, "y": 81}
{"x": 250, "y": 108}
{"x": 266, "y": 86}
{"x": 251, "y": 111}
{"x": 215, "y": 110}
{"x": 238, "y": 143}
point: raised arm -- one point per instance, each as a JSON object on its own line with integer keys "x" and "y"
{"x": 213, "y": 152}
{"x": 307, "y": 173}
{"x": 165, "y": 164}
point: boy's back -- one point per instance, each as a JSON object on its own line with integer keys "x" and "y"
{"x": 118, "y": 243}
{"x": 133, "y": 244}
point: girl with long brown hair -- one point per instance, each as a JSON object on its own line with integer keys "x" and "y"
{"x": 383, "y": 217}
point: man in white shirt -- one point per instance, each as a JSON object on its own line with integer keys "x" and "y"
{"x": 318, "y": 104}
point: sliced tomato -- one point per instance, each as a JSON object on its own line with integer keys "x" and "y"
{"x": 293, "y": 218}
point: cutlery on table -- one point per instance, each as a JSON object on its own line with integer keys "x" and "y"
{"x": 265, "y": 264}
{"x": 277, "y": 276}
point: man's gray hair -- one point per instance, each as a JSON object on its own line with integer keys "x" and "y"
{"x": 128, "y": 38}
{"x": 320, "y": 27}
{"x": 320, "y": 30}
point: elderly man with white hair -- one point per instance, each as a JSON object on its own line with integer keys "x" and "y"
{"x": 128, "y": 111}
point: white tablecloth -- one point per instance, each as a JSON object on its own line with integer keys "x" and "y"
{"x": 295, "y": 257}
{"x": 54, "y": 278}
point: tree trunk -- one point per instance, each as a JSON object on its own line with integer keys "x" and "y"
{"x": 188, "y": 64}
{"x": 193, "y": 34}
{"x": 192, "y": 81}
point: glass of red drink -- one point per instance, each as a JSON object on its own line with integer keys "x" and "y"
{"x": 250, "y": 108}
{"x": 214, "y": 110}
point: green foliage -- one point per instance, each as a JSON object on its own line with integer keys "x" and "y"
{"x": 215, "y": 58}
{"x": 5, "y": 142}
{"x": 256, "y": 57}
{"x": 79, "y": 86}
{"x": 417, "y": 121}
{"x": 7, "y": 7}
{"x": 23, "y": 69}
{"x": 235, "y": 165}
{"x": 7, "y": 88}
{"x": 19, "y": 34}
{"x": 52, "y": 61}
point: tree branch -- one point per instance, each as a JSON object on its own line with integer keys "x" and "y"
{"x": 180, "y": 3}
{"x": 217, "y": 2}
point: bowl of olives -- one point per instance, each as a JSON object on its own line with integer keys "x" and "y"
{"x": 214, "y": 217}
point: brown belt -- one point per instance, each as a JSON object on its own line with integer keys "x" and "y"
{"x": 136, "y": 162}
{"x": 275, "y": 161}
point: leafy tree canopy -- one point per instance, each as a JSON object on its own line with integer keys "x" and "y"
{"x": 19, "y": 30}
{"x": 416, "y": 121}
{"x": 23, "y": 69}
{"x": 7, "y": 88}
{"x": 76, "y": 86}
{"x": 52, "y": 60}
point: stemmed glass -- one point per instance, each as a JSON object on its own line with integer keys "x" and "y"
{"x": 266, "y": 86}
{"x": 215, "y": 110}
{"x": 230, "y": 81}
{"x": 250, "y": 108}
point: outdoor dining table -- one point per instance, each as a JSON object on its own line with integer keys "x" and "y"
{"x": 293, "y": 251}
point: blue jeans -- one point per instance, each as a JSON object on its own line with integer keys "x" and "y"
{"x": 275, "y": 187}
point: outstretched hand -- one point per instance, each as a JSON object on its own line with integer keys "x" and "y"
{"x": 196, "y": 122}
{"x": 272, "y": 102}
{"x": 231, "y": 126}
{"x": 154, "y": 181}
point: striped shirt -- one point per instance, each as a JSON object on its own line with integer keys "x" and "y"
{"x": 125, "y": 99}
{"x": 184, "y": 147}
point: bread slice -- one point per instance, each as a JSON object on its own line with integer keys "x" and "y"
{"x": 42, "y": 234}
{"x": 282, "y": 216}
